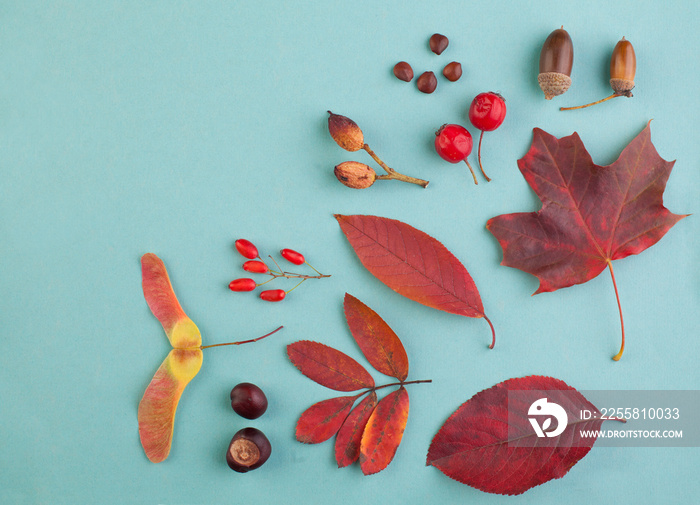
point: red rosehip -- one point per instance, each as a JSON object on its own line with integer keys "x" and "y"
{"x": 243, "y": 284}
{"x": 487, "y": 112}
{"x": 454, "y": 144}
{"x": 257, "y": 267}
{"x": 246, "y": 249}
{"x": 293, "y": 256}
{"x": 273, "y": 295}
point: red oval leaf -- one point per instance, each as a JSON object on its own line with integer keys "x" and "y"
{"x": 347, "y": 443}
{"x": 413, "y": 264}
{"x": 322, "y": 420}
{"x": 377, "y": 341}
{"x": 383, "y": 432}
{"x": 329, "y": 367}
{"x": 482, "y": 446}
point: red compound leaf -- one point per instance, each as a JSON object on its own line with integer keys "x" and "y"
{"x": 347, "y": 443}
{"x": 384, "y": 432}
{"x": 329, "y": 367}
{"x": 322, "y": 420}
{"x": 378, "y": 342}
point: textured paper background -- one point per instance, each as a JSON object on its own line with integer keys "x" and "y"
{"x": 177, "y": 127}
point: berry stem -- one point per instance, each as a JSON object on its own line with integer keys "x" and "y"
{"x": 619, "y": 307}
{"x": 275, "y": 274}
{"x": 488, "y": 179}
{"x": 312, "y": 268}
{"x": 242, "y": 341}
{"x": 393, "y": 174}
{"x": 592, "y": 103}
{"x": 298, "y": 284}
{"x": 472, "y": 171}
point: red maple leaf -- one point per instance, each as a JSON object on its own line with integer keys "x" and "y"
{"x": 590, "y": 215}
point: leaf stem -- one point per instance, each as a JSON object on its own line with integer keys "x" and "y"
{"x": 242, "y": 341}
{"x": 619, "y": 307}
{"x": 488, "y": 179}
{"x": 393, "y": 174}
{"x": 402, "y": 384}
{"x": 592, "y": 103}
{"x": 493, "y": 332}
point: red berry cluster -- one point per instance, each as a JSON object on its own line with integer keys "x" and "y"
{"x": 454, "y": 142}
{"x": 256, "y": 265}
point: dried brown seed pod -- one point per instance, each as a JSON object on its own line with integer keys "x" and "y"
{"x": 452, "y": 71}
{"x": 403, "y": 71}
{"x": 556, "y": 61}
{"x": 438, "y": 43}
{"x": 355, "y": 175}
{"x": 623, "y": 66}
{"x": 427, "y": 82}
{"x": 345, "y": 132}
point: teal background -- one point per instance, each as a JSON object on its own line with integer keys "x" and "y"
{"x": 178, "y": 127}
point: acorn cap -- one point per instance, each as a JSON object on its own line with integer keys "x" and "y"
{"x": 553, "y": 83}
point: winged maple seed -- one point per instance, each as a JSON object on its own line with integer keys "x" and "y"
{"x": 156, "y": 413}
{"x": 371, "y": 431}
{"x": 414, "y": 264}
{"x": 489, "y": 442}
{"x": 590, "y": 215}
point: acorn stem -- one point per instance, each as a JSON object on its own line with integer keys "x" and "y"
{"x": 391, "y": 173}
{"x": 592, "y": 103}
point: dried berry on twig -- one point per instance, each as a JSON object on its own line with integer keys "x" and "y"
{"x": 349, "y": 136}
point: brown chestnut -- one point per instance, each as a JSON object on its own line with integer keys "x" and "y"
{"x": 248, "y": 400}
{"x": 427, "y": 82}
{"x": 249, "y": 449}
{"x": 438, "y": 43}
{"x": 403, "y": 71}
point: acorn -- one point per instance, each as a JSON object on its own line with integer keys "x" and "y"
{"x": 623, "y": 66}
{"x": 355, "y": 175}
{"x": 556, "y": 60}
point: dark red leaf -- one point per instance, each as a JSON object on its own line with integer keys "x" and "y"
{"x": 413, "y": 264}
{"x": 482, "y": 446}
{"x": 347, "y": 443}
{"x": 329, "y": 367}
{"x": 383, "y": 432}
{"x": 590, "y": 215}
{"x": 378, "y": 342}
{"x": 322, "y": 420}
